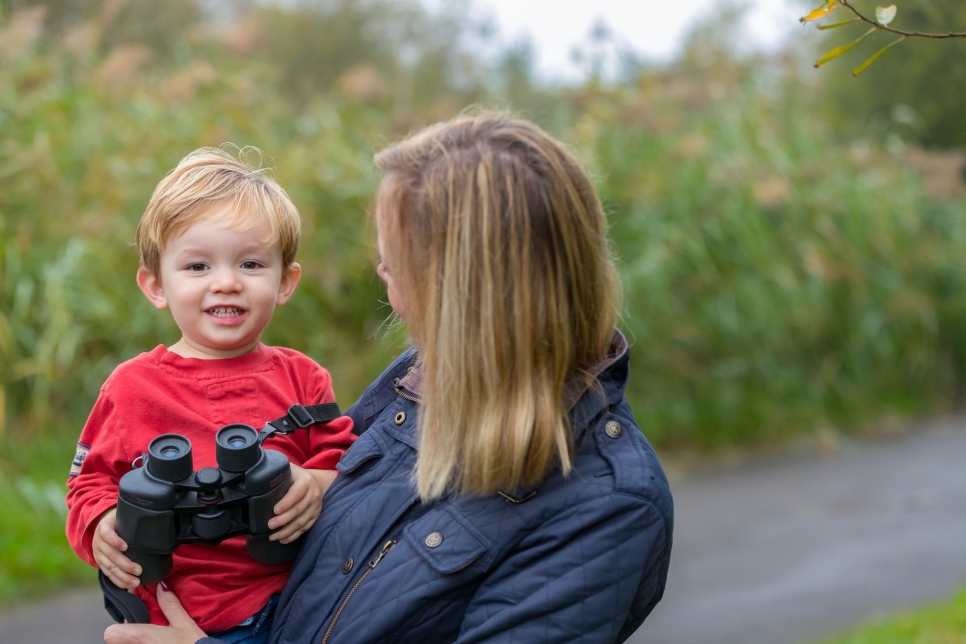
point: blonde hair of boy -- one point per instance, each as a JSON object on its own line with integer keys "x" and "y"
{"x": 209, "y": 179}
{"x": 502, "y": 245}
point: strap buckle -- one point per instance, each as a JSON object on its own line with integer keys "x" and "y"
{"x": 301, "y": 416}
{"x": 298, "y": 417}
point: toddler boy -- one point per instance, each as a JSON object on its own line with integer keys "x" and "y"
{"x": 217, "y": 244}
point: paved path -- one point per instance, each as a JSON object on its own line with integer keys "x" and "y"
{"x": 775, "y": 553}
{"x": 788, "y": 551}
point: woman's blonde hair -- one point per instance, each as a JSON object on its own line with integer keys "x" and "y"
{"x": 501, "y": 243}
{"x": 209, "y": 179}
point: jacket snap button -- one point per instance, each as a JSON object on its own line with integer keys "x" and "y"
{"x": 347, "y": 566}
{"x": 613, "y": 429}
{"x": 395, "y": 382}
{"x": 434, "y": 539}
{"x": 400, "y": 418}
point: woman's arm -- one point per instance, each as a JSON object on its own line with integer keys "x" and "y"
{"x": 592, "y": 573}
{"x": 182, "y": 629}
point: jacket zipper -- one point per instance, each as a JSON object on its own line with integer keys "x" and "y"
{"x": 372, "y": 564}
{"x": 406, "y": 396}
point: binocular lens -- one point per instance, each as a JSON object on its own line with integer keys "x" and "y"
{"x": 169, "y": 457}
{"x": 237, "y": 447}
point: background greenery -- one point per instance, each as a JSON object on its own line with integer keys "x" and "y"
{"x": 938, "y": 623}
{"x": 917, "y": 75}
{"x": 787, "y": 270}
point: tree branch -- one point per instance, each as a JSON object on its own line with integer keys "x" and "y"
{"x": 900, "y": 32}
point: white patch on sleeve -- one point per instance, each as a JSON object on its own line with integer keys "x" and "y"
{"x": 79, "y": 456}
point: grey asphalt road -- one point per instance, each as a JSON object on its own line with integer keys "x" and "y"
{"x": 794, "y": 549}
{"x": 777, "y": 552}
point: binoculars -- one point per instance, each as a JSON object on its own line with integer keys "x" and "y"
{"x": 166, "y": 503}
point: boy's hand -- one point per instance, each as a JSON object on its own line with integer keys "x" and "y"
{"x": 107, "y": 553}
{"x": 301, "y": 505}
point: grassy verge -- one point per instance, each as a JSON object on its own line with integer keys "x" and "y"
{"x": 942, "y": 623}
{"x": 36, "y": 558}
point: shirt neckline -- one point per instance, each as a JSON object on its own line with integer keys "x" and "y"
{"x": 258, "y": 360}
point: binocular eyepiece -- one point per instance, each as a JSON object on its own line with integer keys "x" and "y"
{"x": 166, "y": 503}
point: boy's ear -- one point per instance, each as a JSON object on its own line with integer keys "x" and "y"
{"x": 290, "y": 279}
{"x": 150, "y": 285}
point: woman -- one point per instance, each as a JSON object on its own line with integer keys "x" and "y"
{"x": 500, "y": 490}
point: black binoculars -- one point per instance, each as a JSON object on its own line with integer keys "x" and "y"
{"x": 166, "y": 503}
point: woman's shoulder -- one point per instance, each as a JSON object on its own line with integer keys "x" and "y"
{"x": 612, "y": 459}
{"x": 616, "y": 485}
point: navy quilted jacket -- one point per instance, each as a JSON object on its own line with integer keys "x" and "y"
{"x": 576, "y": 559}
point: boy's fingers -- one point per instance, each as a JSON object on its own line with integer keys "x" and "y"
{"x": 296, "y": 530}
{"x": 125, "y": 564}
{"x": 294, "y": 523}
{"x": 291, "y": 532}
{"x": 111, "y": 557}
{"x": 120, "y": 578}
{"x": 288, "y": 523}
{"x": 295, "y": 494}
{"x": 284, "y": 519}
{"x": 121, "y": 570}
{"x": 298, "y": 509}
{"x": 111, "y": 538}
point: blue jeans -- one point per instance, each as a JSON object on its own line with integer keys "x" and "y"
{"x": 253, "y": 630}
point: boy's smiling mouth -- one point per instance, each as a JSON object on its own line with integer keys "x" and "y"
{"x": 225, "y": 312}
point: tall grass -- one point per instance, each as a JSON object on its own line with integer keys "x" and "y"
{"x": 776, "y": 279}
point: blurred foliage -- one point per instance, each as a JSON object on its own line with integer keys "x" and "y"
{"x": 777, "y": 278}
{"x": 922, "y": 78}
{"x": 36, "y": 558}
{"x": 940, "y": 623}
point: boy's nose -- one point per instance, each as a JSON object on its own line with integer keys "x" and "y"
{"x": 225, "y": 281}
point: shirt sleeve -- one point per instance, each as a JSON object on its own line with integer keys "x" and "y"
{"x": 592, "y": 574}
{"x": 324, "y": 444}
{"x": 100, "y": 463}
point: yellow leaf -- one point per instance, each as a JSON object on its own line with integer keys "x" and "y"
{"x": 876, "y": 56}
{"x": 885, "y": 15}
{"x": 838, "y": 51}
{"x": 820, "y": 13}
{"x": 836, "y": 25}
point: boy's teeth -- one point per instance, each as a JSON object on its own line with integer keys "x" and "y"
{"x": 225, "y": 312}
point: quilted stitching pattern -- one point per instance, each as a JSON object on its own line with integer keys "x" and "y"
{"x": 584, "y": 560}
{"x": 444, "y": 542}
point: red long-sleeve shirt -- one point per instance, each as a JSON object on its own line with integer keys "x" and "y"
{"x": 160, "y": 392}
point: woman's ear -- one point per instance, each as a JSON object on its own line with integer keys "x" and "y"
{"x": 150, "y": 285}
{"x": 290, "y": 279}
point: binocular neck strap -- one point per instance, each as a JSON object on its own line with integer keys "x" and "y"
{"x": 299, "y": 417}
{"x": 121, "y": 605}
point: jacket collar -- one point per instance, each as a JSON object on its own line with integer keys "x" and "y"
{"x": 584, "y": 401}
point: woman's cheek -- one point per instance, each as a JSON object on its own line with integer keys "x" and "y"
{"x": 396, "y": 302}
